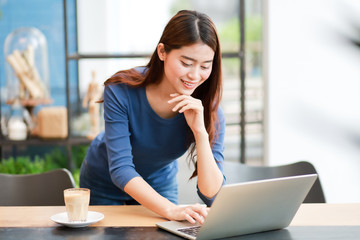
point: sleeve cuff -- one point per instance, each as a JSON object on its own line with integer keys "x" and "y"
{"x": 122, "y": 179}
{"x": 206, "y": 200}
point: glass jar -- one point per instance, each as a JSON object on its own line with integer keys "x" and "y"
{"x": 17, "y": 129}
{"x": 26, "y": 66}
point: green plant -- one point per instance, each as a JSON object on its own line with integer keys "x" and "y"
{"x": 57, "y": 157}
{"x": 78, "y": 154}
{"x": 24, "y": 165}
{"x": 76, "y": 175}
{"x": 53, "y": 160}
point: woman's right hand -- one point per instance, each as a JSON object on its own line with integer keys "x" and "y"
{"x": 191, "y": 213}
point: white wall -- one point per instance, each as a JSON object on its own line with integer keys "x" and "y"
{"x": 314, "y": 90}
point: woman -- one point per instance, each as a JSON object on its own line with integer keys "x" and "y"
{"x": 153, "y": 115}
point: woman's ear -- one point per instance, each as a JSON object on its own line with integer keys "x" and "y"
{"x": 161, "y": 51}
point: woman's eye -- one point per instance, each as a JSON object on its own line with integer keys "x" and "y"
{"x": 205, "y": 68}
{"x": 185, "y": 64}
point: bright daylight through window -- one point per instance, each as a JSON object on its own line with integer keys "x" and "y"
{"x": 120, "y": 27}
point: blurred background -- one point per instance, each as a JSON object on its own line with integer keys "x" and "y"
{"x": 291, "y": 77}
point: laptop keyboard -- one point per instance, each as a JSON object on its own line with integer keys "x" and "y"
{"x": 193, "y": 231}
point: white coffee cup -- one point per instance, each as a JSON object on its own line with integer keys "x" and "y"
{"x": 77, "y": 203}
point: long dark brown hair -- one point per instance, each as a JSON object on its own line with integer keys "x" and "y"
{"x": 185, "y": 28}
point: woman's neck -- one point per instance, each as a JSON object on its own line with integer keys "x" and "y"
{"x": 158, "y": 96}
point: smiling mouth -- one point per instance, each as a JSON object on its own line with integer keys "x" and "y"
{"x": 189, "y": 84}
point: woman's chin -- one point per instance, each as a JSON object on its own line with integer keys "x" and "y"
{"x": 186, "y": 92}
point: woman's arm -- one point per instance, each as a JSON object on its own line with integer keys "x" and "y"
{"x": 210, "y": 178}
{"x": 144, "y": 194}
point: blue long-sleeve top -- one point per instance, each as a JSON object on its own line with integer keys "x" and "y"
{"x": 138, "y": 142}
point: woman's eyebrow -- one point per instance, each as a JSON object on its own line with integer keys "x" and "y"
{"x": 192, "y": 59}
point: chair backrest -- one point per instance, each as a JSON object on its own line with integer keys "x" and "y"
{"x": 237, "y": 172}
{"x": 44, "y": 189}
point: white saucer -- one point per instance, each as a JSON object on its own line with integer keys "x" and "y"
{"x": 62, "y": 219}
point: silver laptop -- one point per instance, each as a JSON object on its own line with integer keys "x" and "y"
{"x": 248, "y": 207}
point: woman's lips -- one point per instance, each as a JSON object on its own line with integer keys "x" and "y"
{"x": 189, "y": 85}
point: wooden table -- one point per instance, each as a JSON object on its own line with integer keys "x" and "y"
{"x": 336, "y": 215}
{"x": 134, "y": 216}
{"x": 115, "y": 216}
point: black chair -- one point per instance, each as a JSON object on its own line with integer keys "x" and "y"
{"x": 44, "y": 189}
{"x": 237, "y": 172}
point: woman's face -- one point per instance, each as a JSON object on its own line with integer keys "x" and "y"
{"x": 186, "y": 68}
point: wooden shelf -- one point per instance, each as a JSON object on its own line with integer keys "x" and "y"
{"x": 40, "y": 141}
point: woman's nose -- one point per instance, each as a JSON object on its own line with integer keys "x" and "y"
{"x": 194, "y": 74}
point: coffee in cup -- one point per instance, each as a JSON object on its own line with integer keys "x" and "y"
{"x": 77, "y": 203}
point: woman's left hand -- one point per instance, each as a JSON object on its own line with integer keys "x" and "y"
{"x": 192, "y": 213}
{"x": 193, "y": 111}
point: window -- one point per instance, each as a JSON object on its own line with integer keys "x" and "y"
{"x": 122, "y": 35}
